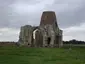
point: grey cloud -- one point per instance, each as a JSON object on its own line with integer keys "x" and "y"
{"x": 69, "y": 13}
{"x": 66, "y": 18}
{"x": 72, "y": 18}
{"x": 9, "y": 18}
{"x": 74, "y": 32}
{"x": 9, "y": 34}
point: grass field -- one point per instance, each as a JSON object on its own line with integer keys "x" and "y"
{"x": 25, "y": 55}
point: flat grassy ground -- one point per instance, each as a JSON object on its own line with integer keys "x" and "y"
{"x": 25, "y": 55}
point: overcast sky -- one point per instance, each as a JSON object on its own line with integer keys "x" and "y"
{"x": 16, "y": 13}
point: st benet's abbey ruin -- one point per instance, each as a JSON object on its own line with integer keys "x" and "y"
{"x": 47, "y": 34}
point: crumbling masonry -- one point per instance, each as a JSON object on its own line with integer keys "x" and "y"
{"x": 47, "y": 34}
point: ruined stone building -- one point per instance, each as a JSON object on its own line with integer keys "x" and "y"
{"x": 47, "y": 34}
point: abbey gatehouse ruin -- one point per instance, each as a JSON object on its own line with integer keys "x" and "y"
{"x": 47, "y": 34}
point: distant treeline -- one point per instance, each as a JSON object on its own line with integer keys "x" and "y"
{"x": 64, "y": 42}
{"x": 74, "y": 42}
{"x": 8, "y": 43}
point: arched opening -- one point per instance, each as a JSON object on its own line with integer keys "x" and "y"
{"x": 37, "y": 38}
{"x": 48, "y": 41}
{"x": 34, "y": 32}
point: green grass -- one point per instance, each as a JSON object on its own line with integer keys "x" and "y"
{"x": 25, "y": 55}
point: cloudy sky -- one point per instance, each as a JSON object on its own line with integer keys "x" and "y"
{"x": 16, "y": 13}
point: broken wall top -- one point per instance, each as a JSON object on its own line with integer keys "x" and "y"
{"x": 48, "y": 17}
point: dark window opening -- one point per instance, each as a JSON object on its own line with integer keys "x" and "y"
{"x": 48, "y": 40}
{"x": 28, "y": 44}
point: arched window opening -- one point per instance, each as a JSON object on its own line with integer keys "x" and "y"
{"x": 48, "y": 40}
